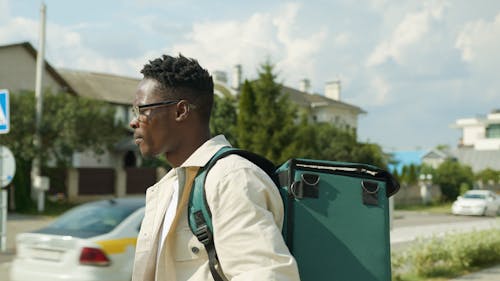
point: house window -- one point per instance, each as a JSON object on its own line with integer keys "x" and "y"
{"x": 493, "y": 131}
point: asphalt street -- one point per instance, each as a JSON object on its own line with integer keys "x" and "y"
{"x": 407, "y": 226}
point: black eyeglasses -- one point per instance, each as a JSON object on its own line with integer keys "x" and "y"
{"x": 138, "y": 110}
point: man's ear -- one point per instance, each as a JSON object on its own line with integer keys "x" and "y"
{"x": 182, "y": 110}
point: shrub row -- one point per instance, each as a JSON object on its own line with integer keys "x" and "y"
{"x": 448, "y": 256}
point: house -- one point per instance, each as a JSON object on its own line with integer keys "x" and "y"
{"x": 320, "y": 108}
{"x": 479, "y": 146}
{"x": 480, "y": 133}
{"x": 117, "y": 172}
{"x": 118, "y": 91}
{"x": 478, "y": 160}
{"x": 436, "y": 157}
{"x": 18, "y": 70}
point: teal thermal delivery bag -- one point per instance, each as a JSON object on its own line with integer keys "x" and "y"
{"x": 336, "y": 216}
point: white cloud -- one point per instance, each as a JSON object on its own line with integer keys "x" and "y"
{"x": 4, "y": 9}
{"x": 18, "y": 29}
{"x": 381, "y": 89}
{"x": 479, "y": 42}
{"x": 410, "y": 31}
{"x": 64, "y": 47}
{"x": 219, "y": 45}
{"x": 342, "y": 39}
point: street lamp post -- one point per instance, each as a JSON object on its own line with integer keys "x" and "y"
{"x": 39, "y": 183}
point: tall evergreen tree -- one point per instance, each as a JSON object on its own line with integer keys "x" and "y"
{"x": 266, "y": 117}
{"x": 224, "y": 118}
{"x": 247, "y": 122}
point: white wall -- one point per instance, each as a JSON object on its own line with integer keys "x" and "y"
{"x": 487, "y": 144}
{"x": 471, "y": 134}
{"x": 18, "y": 71}
{"x": 342, "y": 118}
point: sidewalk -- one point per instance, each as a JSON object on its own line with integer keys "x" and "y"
{"x": 489, "y": 274}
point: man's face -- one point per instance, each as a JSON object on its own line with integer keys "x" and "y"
{"x": 153, "y": 128}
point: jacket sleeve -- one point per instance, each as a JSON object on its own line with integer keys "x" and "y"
{"x": 247, "y": 216}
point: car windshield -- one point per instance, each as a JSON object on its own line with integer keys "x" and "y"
{"x": 474, "y": 196}
{"x": 94, "y": 219}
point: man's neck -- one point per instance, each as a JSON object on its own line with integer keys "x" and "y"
{"x": 187, "y": 148}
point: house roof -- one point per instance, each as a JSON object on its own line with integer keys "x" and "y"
{"x": 31, "y": 50}
{"x": 406, "y": 158}
{"x": 438, "y": 153}
{"x": 315, "y": 100}
{"x": 106, "y": 87}
{"x": 478, "y": 159}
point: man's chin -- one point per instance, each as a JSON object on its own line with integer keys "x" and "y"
{"x": 146, "y": 153}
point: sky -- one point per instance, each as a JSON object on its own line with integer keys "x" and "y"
{"x": 414, "y": 66}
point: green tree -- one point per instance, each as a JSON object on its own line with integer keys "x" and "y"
{"x": 304, "y": 144}
{"x": 396, "y": 175}
{"x": 69, "y": 124}
{"x": 267, "y": 124}
{"x": 327, "y": 142}
{"x": 266, "y": 117}
{"x": 450, "y": 176}
{"x": 488, "y": 175}
{"x": 224, "y": 118}
{"x": 412, "y": 176}
{"x": 370, "y": 153}
{"x": 404, "y": 174}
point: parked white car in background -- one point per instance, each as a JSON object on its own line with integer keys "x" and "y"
{"x": 94, "y": 241}
{"x": 477, "y": 202}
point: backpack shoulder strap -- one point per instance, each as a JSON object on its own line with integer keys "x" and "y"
{"x": 199, "y": 214}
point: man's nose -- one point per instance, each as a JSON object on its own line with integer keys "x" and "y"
{"x": 134, "y": 123}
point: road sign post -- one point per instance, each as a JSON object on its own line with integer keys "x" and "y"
{"x": 7, "y": 171}
{"x": 7, "y": 166}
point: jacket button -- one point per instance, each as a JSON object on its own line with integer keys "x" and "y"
{"x": 195, "y": 250}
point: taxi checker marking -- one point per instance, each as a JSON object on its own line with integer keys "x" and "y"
{"x": 117, "y": 246}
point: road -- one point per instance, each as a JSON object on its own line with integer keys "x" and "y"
{"x": 407, "y": 226}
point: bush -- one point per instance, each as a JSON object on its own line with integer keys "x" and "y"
{"x": 448, "y": 256}
{"x": 450, "y": 175}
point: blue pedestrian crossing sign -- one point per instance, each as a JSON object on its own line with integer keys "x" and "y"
{"x": 4, "y": 112}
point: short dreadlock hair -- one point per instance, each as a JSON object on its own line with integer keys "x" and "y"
{"x": 182, "y": 78}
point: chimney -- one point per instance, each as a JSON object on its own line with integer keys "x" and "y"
{"x": 305, "y": 85}
{"x": 236, "y": 77}
{"x": 220, "y": 76}
{"x": 332, "y": 90}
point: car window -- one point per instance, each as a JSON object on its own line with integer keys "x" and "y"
{"x": 474, "y": 196}
{"x": 97, "y": 219}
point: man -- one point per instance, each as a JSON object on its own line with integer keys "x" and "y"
{"x": 172, "y": 106}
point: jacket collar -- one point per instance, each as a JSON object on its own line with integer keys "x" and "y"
{"x": 206, "y": 151}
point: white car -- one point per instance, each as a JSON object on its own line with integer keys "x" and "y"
{"x": 94, "y": 241}
{"x": 477, "y": 202}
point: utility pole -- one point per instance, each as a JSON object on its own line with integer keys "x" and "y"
{"x": 36, "y": 180}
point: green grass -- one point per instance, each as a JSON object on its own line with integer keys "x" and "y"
{"x": 434, "y": 208}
